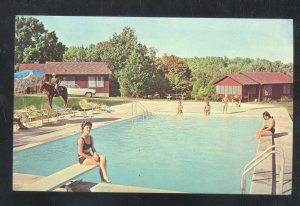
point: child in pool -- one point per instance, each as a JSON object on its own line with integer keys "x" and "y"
{"x": 179, "y": 107}
{"x": 207, "y": 108}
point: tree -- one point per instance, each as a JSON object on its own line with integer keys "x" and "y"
{"x": 202, "y": 93}
{"x": 46, "y": 49}
{"x": 92, "y": 54}
{"x": 35, "y": 44}
{"x": 175, "y": 70}
{"x": 116, "y": 51}
{"x": 75, "y": 54}
{"x": 138, "y": 76}
{"x": 28, "y": 31}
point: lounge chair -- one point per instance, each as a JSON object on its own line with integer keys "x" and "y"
{"x": 20, "y": 118}
{"x": 63, "y": 111}
{"x": 96, "y": 106}
{"x": 105, "y": 108}
{"x": 49, "y": 112}
{"x": 29, "y": 114}
{"x": 85, "y": 105}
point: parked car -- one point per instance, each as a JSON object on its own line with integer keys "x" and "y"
{"x": 75, "y": 89}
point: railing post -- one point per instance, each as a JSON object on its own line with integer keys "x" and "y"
{"x": 282, "y": 162}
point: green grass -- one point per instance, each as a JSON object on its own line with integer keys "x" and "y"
{"x": 22, "y": 101}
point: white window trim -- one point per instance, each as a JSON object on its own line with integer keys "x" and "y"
{"x": 69, "y": 82}
{"x": 96, "y": 81}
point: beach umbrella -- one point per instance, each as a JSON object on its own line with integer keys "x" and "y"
{"x": 27, "y": 78}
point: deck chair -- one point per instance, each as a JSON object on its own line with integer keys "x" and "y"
{"x": 105, "y": 108}
{"x": 95, "y": 105}
{"x": 20, "y": 115}
{"x": 29, "y": 114}
{"x": 85, "y": 106}
{"x": 49, "y": 112}
{"x": 63, "y": 111}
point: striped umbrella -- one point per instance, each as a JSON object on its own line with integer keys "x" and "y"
{"x": 27, "y": 78}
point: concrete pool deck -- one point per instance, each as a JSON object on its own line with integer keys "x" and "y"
{"x": 262, "y": 178}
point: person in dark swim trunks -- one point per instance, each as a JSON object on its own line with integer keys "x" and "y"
{"x": 268, "y": 127}
{"x": 85, "y": 145}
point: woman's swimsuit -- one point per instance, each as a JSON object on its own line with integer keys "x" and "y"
{"x": 85, "y": 147}
{"x": 266, "y": 125}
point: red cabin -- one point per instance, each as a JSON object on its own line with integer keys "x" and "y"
{"x": 93, "y": 75}
{"x": 256, "y": 86}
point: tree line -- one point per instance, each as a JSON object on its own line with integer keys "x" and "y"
{"x": 137, "y": 71}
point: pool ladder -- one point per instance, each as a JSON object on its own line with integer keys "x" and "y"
{"x": 261, "y": 157}
{"x": 134, "y": 108}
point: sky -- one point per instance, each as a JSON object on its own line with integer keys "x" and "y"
{"x": 270, "y": 39}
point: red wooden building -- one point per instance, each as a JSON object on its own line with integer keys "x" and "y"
{"x": 251, "y": 86}
{"x": 93, "y": 75}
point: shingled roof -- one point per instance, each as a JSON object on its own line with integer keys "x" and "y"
{"x": 74, "y": 68}
{"x": 31, "y": 66}
{"x": 269, "y": 77}
{"x": 242, "y": 79}
{"x": 255, "y": 78}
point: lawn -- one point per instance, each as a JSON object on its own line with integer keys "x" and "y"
{"x": 22, "y": 101}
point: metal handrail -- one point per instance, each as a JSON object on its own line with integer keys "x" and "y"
{"x": 262, "y": 158}
{"x": 261, "y": 154}
{"x": 145, "y": 110}
{"x": 135, "y": 105}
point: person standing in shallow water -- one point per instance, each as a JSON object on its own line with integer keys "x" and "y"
{"x": 268, "y": 128}
{"x": 86, "y": 143}
{"x": 225, "y": 101}
{"x": 207, "y": 108}
{"x": 179, "y": 107}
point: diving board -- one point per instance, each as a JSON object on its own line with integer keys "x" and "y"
{"x": 59, "y": 178}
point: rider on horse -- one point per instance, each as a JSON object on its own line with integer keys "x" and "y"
{"x": 55, "y": 82}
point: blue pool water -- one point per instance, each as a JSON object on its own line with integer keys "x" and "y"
{"x": 195, "y": 154}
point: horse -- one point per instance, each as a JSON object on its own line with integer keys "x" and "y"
{"x": 51, "y": 92}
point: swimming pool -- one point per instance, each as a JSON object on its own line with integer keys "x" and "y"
{"x": 195, "y": 154}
